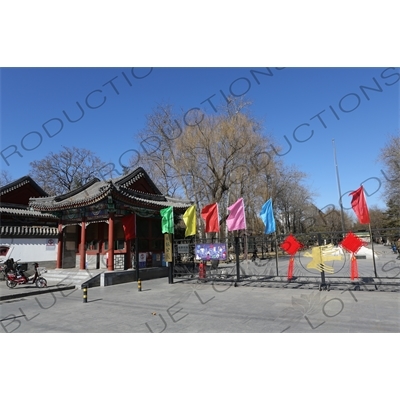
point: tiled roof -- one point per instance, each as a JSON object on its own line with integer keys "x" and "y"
{"x": 127, "y": 180}
{"x": 158, "y": 200}
{"x": 24, "y": 212}
{"x": 21, "y": 182}
{"x": 96, "y": 190}
{"x": 85, "y": 196}
{"x": 12, "y": 231}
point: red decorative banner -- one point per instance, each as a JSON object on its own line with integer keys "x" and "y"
{"x": 129, "y": 226}
{"x": 352, "y": 244}
{"x": 291, "y": 246}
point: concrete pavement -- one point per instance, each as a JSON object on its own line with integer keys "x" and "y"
{"x": 203, "y": 307}
{"x": 253, "y": 306}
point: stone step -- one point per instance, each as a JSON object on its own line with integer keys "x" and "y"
{"x": 70, "y": 277}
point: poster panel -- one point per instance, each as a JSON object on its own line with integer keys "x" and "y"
{"x": 211, "y": 251}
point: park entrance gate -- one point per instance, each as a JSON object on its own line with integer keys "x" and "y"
{"x": 320, "y": 261}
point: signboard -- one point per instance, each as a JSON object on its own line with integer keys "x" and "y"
{"x": 183, "y": 248}
{"x": 168, "y": 247}
{"x": 50, "y": 244}
{"x": 142, "y": 260}
{"x": 211, "y": 251}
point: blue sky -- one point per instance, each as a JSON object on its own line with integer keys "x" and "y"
{"x": 292, "y": 102}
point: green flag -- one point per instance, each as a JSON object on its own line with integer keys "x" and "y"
{"x": 167, "y": 222}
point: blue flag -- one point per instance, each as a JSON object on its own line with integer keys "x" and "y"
{"x": 267, "y": 216}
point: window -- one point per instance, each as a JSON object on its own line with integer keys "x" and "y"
{"x": 92, "y": 245}
{"x": 119, "y": 244}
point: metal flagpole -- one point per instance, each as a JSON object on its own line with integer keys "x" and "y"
{"x": 276, "y": 254}
{"x": 237, "y": 258}
{"x": 373, "y": 251}
{"x": 338, "y": 182}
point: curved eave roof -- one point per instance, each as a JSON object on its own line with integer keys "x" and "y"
{"x": 96, "y": 191}
{"x": 134, "y": 176}
{"x": 158, "y": 201}
{"x": 83, "y": 198}
{"x": 21, "y": 182}
{"x": 25, "y": 212}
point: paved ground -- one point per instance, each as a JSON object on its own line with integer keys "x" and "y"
{"x": 269, "y": 306}
{"x": 199, "y": 307}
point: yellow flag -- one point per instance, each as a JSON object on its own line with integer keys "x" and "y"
{"x": 190, "y": 221}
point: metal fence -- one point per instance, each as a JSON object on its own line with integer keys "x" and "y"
{"x": 320, "y": 262}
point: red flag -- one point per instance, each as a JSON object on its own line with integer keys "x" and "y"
{"x": 210, "y": 215}
{"x": 360, "y": 205}
{"x": 129, "y": 226}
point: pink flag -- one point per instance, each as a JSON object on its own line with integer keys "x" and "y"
{"x": 236, "y": 219}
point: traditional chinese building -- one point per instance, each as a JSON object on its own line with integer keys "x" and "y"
{"x": 95, "y": 220}
{"x": 26, "y": 235}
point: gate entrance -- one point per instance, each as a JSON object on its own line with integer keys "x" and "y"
{"x": 319, "y": 263}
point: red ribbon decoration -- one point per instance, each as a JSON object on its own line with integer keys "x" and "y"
{"x": 291, "y": 246}
{"x": 352, "y": 244}
{"x": 354, "y": 268}
{"x": 290, "y": 268}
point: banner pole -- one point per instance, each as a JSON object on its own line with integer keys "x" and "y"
{"x": 237, "y": 259}
{"x": 276, "y": 254}
{"x": 373, "y": 251}
{"x": 340, "y": 192}
{"x": 169, "y": 238}
{"x": 137, "y": 258}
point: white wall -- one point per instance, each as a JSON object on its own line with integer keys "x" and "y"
{"x": 30, "y": 250}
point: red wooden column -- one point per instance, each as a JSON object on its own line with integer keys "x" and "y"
{"x": 82, "y": 251}
{"x": 110, "y": 259}
{"x": 60, "y": 245}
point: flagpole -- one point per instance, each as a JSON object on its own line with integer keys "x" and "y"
{"x": 237, "y": 258}
{"x": 276, "y": 254}
{"x": 373, "y": 251}
{"x": 137, "y": 258}
{"x": 338, "y": 183}
{"x": 226, "y": 225}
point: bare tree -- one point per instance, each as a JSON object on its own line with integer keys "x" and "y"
{"x": 390, "y": 156}
{"x": 5, "y": 177}
{"x": 292, "y": 198}
{"x": 158, "y": 147}
{"x": 218, "y": 158}
{"x": 65, "y": 171}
